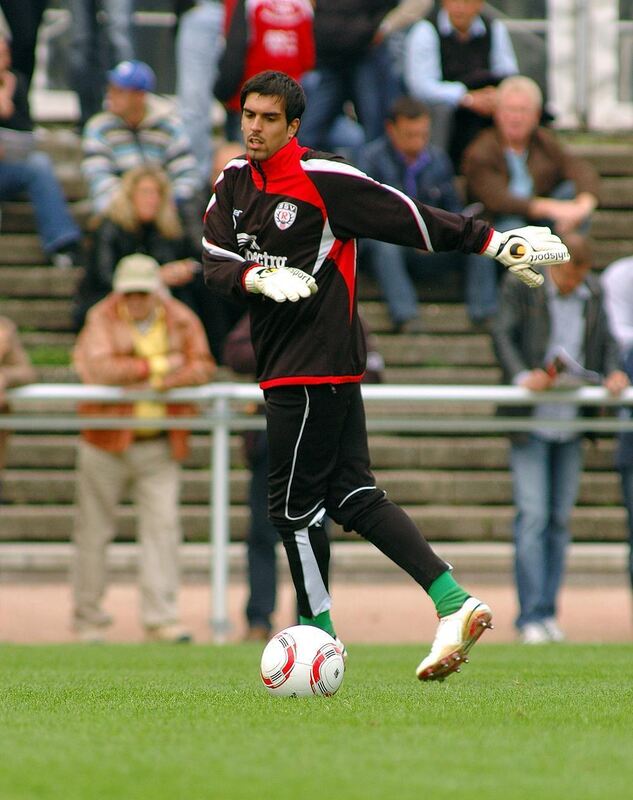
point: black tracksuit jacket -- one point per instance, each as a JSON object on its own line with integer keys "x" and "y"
{"x": 305, "y": 209}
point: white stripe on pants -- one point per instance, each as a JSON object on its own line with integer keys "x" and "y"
{"x": 102, "y": 478}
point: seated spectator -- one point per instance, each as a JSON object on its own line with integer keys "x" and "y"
{"x": 532, "y": 331}
{"x": 100, "y": 37}
{"x": 15, "y": 370}
{"x": 403, "y": 158}
{"x": 522, "y": 175}
{"x": 135, "y": 337}
{"x": 25, "y": 169}
{"x": 142, "y": 218}
{"x": 354, "y": 62}
{"x": 454, "y": 59}
{"x": 138, "y": 127}
{"x": 617, "y": 285}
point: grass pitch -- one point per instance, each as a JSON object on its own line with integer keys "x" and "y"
{"x": 182, "y": 723}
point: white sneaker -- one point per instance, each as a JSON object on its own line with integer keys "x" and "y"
{"x": 456, "y": 634}
{"x": 553, "y": 630}
{"x": 534, "y": 633}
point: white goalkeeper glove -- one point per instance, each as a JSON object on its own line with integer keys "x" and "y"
{"x": 280, "y": 283}
{"x": 519, "y": 250}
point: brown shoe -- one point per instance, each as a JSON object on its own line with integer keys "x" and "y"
{"x": 257, "y": 633}
{"x": 174, "y": 634}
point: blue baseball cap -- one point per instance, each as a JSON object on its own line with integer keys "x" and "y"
{"x": 133, "y": 75}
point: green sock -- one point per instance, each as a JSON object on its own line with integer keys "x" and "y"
{"x": 321, "y": 620}
{"x": 447, "y": 594}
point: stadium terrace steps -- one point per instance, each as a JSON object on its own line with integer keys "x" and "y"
{"x": 469, "y": 523}
{"x": 456, "y": 487}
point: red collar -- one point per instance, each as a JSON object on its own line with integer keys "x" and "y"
{"x": 279, "y": 164}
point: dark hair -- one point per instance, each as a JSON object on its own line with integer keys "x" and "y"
{"x": 407, "y": 107}
{"x": 277, "y": 84}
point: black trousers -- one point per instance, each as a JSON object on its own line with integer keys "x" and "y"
{"x": 319, "y": 464}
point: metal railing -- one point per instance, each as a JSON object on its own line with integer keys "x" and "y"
{"x": 37, "y": 408}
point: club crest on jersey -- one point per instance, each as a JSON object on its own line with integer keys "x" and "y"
{"x": 285, "y": 215}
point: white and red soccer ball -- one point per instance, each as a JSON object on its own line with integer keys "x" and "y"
{"x": 302, "y": 661}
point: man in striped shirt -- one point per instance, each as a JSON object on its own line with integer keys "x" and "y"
{"x": 137, "y": 127}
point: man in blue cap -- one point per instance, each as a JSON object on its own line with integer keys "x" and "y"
{"x": 136, "y": 127}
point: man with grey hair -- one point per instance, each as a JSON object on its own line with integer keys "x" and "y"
{"x": 522, "y": 175}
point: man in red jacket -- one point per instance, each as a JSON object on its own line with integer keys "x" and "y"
{"x": 280, "y": 233}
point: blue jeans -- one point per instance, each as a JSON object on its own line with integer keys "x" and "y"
{"x": 546, "y": 476}
{"x": 88, "y": 58}
{"x": 262, "y": 541}
{"x": 394, "y": 268}
{"x": 626, "y": 478}
{"x": 199, "y": 44}
{"x": 35, "y": 175}
{"x": 370, "y": 83}
{"x": 481, "y": 272}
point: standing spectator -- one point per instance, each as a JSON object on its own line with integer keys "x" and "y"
{"x": 564, "y": 316}
{"x": 280, "y": 232}
{"x": 354, "y": 62}
{"x": 135, "y": 337}
{"x": 137, "y": 128}
{"x": 199, "y": 44}
{"x": 24, "y": 18}
{"x": 403, "y": 158}
{"x": 15, "y": 370}
{"x": 101, "y": 36}
{"x": 453, "y": 61}
{"x": 262, "y": 534}
{"x": 617, "y": 285}
{"x": 522, "y": 175}
{"x": 25, "y": 169}
{"x": 263, "y": 34}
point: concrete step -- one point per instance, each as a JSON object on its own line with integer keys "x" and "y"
{"x": 52, "y": 314}
{"x": 58, "y": 451}
{"x": 474, "y": 523}
{"x": 356, "y": 561}
{"x": 437, "y": 350}
{"x": 456, "y": 487}
{"x": 25, "y": 283}
{"x": 21, "y": 248}
{"x": 609, "y": 158}
{"x": 19, "y": 217}
{"x": 616, "y": 192}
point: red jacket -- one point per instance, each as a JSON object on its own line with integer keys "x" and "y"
{"x": 264, "y": 34}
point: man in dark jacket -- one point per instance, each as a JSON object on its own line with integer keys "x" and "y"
{"x": 280, "y": 234}
{"x": 543, "y": 338}
{"x": 403, "y": 158}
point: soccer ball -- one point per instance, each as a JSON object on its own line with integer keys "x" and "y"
{"x": 302, "y": 661}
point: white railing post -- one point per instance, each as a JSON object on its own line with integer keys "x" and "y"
{"x": 219, "y": 519}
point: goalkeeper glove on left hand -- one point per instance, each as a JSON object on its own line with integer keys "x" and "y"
{"x": 520, "y": 249}
{"x": 280, "y": 283}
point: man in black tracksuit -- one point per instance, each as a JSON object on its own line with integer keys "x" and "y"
{"x": 280, "y": 233}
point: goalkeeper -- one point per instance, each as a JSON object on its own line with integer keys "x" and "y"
{"x": 280, "y": 233}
